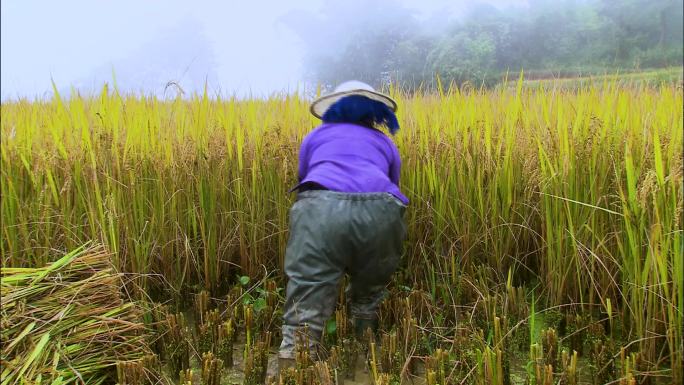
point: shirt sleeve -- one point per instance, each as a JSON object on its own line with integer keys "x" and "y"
{"x": 395, "y": 166}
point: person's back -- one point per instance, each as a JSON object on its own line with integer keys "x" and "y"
{"x": 350, "y": 158}
{"x": 348, "y": 217}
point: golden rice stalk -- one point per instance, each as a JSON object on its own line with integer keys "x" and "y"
{"x": 67, "y": 321}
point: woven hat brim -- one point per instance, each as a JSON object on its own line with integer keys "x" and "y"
{"x": 321, "y": 105}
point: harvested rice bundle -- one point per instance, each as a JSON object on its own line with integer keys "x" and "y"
{"x": 67, "y": 322}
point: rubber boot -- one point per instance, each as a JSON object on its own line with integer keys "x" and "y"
{"x": 361, "y": 325}
{"x": 286, "y": 363}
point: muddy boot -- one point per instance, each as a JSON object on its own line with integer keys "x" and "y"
{"x": 286, "y": 363}
{"x": 361, "y": 327}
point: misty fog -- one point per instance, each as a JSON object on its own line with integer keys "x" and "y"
{"x": 262, "y": 47}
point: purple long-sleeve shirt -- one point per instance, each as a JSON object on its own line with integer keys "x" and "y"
{"x": 350, "y": 158}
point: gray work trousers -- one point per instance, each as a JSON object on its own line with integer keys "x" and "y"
{"x": 333, "y": 233}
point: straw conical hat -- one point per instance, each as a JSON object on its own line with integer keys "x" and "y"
{"x": 352, "y": 87}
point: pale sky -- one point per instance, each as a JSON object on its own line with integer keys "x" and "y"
{"x": 237, "y": 47}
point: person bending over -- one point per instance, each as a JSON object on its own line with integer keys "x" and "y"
{"x": 347, "y": 218}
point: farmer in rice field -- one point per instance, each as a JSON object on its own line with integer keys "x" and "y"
{"x": 348, "y": 216}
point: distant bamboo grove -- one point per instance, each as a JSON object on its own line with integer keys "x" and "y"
{"x": 574, "y": 194}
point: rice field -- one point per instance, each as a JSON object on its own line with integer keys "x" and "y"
{"x": 545, "y": 232}
{"x": 652, "y": 77}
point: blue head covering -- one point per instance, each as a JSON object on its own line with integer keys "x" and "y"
{"x": 361, "y": 110}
